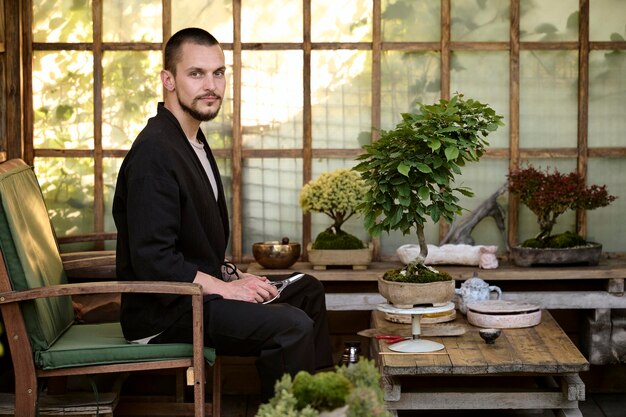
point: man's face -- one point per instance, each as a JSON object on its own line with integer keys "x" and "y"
{"x": 200, "y": 80}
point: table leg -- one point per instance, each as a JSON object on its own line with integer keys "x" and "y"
{"x": 416, "y": 345}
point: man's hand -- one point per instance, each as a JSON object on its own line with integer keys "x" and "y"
{"x": 249, "y": 287}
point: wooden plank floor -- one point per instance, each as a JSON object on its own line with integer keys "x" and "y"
{"x": 596, "y": 405}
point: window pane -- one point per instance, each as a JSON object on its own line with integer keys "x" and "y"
{"x": 407, "y": 77}
{"x": 271, "y": 21}
{"x": 606, "y": 224}
{"x": 270, "y": 200}
{"x": 62, "y": 21}
{"x": 341, "y": 21}
{"x": 132, "y": 21}
{"x": 480, "y": 21}
{"x": 219, "y": 131}
{"x": 341, "y": 97}
{"x": 63, "y": 100}
{"x": 411, "y": 20}
{"x": 606, "y": 20}
{"x": 548, "y": 99}
{"x": 607, "y": 95}
{"x": 130, "y": 93}
{"x": 213, "y": 16}
{"x": 484, "y": 76}
{"x": 549, "y": 20}
{"x": 67, "y": 187}
{"x": 484, "y": 178}
{"x": 320, "y": 222}
{"x": 271, "y": 108}
{"x": 110, "y": 168}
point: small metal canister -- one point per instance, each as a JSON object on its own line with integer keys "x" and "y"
{"x": 351, "y": 353}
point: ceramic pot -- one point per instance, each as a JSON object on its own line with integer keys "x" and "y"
{"x": 589, "y": 254}
{"x": 475, "y": 289}
{"x": 409, "y": 294}
{"x": 356, "y": 258}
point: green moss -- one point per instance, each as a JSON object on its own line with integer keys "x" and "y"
{"x": 560, "y": 241}
{"x": 328, "y": 239}
{"x": 322, "y": 391}
{"x": 416, "y": 273}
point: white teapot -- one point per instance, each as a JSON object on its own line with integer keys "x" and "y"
{"x": 475, "y": 289}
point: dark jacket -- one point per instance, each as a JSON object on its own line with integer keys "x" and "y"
{"x": 168, "y": 223}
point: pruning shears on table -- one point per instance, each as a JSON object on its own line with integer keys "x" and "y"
{"x": 391, "y": 339}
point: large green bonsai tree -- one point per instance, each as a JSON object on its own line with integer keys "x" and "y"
{"x": 409, "y": 171}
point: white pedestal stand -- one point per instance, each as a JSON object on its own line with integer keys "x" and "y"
{"x": 415, "y": 345}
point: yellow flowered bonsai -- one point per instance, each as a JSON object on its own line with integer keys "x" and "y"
{"x": 337, "y": 195}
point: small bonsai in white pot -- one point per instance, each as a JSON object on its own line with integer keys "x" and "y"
{"x": 409, "y": 174}
{"x": 336, "y": 194}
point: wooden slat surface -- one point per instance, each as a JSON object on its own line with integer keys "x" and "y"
{"x": 542, "y": 349}
{"x": 607, "y": 269}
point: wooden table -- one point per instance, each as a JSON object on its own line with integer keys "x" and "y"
{"x": 530, "y": 368}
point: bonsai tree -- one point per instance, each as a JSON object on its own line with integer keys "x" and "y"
{"x": 337, "y": 195}
{"x": 355, "y": 387}
{"x": 548, "y": 194}
{"x": 409, "y": 171}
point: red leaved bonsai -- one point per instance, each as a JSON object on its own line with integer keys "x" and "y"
{"x": 548, "y": 194}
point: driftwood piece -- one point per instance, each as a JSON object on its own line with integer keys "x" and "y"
{"x": 461, "y": 230}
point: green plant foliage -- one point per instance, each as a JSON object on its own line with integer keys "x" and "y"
{"x": 329, "y": 239}
{"x": 416, "y": 272}
{"x": 284, "y": 403}
{"x": 363, "y": 374}
{"x": 363, "y": 402}
{"x": 322, "y": 391}
{"x": 409, "y": 170}
{"x": 335, "y": 194}
{"x": 562, "y": 240}
{"x": 358, "y": 385}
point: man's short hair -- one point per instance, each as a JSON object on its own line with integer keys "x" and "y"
{"x": 188, "y": 35}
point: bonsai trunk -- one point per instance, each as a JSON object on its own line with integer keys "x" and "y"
{"x": 423, "y": 246}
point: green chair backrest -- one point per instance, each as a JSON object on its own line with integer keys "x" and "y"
{"x": 31, "y": 254}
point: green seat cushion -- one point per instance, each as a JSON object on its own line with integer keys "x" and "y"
{"x": 102, "y": 344}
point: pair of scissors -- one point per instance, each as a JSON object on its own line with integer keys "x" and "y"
{"x": 281, "y": 285}
{"x": 391, "y": 339}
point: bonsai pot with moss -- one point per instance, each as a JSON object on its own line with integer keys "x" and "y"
{"x": 409, "y": 174}
{"x": 548, "y": 194}
{"x": 337, "y": 195}
{"x": 416, "y": 284}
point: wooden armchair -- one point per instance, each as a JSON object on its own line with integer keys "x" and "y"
{"x": 35, "y": 301}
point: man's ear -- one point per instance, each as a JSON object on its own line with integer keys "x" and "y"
{"x": 167, "y": 78}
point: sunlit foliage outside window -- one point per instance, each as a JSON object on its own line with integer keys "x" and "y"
{"x": 67, "y": 120}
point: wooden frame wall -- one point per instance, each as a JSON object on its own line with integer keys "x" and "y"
{"x": 514, "y": 153}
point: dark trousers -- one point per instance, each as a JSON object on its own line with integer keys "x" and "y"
{"x": 287, "y": 336}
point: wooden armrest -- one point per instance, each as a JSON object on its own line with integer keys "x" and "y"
{"x": 110, "y": 287}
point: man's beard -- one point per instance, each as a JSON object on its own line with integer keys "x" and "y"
{"x": 203, "y": 117}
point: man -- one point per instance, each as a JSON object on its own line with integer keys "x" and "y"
{"x": 172, "y": 222}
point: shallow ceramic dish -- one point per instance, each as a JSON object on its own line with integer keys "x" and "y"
{"x": 500, "y": 314}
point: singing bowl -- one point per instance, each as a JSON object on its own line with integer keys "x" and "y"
{"x": 276, "y": 255}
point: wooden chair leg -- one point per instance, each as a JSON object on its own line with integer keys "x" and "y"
{"x": 25, "y": 397}
{"x": 217, "y": 387}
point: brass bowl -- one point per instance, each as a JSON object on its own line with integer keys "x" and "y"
{"x": 276, "y": 255}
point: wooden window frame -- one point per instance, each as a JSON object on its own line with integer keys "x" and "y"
{"x": 237, "y": 153}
